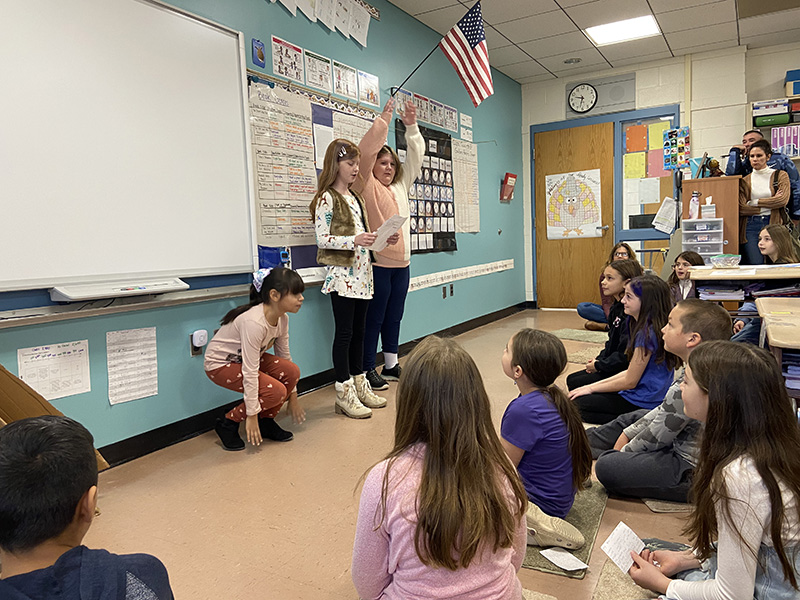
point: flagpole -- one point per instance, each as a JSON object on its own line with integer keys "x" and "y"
{"x": 414, "y": 71}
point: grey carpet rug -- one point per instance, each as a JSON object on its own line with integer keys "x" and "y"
{"x": 586, "y": 513}
{"x": 664, "y": 506}
{"x": 581, "y": 335}
{"x": 613, "y": 584}
{"x": 584, "y": 355}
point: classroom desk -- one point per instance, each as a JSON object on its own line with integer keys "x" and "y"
{"x": 780, "y": 324}
{"x": 746, "y": 273}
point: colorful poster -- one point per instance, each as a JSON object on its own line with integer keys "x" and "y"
{"x": 677, "y": 150}
{"x": 345, "y": 81}
{"x": 287, "y": 60}
{"x": 403, "y": 97}
{"x": 368, "y": 88}
{"x": 437, "y": 113}
{"x": 450, "y": 120}
{"x": 573, "y": 205}
{"x": 319, "y": 71}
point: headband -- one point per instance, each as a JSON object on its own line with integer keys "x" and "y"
{"x": 259, "y": 276}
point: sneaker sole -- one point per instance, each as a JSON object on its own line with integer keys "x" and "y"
{"x": 389, "y": 378}
{"x": 379, "y": 388}
{"x": 340, "y": 411}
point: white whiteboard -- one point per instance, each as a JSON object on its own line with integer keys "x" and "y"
{"x": 123, "y": 144}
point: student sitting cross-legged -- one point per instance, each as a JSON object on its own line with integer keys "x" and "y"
{"x": 48, "y": 494}
{"x": 653, "y": 454}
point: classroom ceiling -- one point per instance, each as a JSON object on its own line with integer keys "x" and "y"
{"x": 530, "y": 40}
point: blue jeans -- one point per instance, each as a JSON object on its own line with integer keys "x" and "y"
{"x": 751, "y": 255}
{"x": 385, "y": 312}
{"x": 592, "y": 312}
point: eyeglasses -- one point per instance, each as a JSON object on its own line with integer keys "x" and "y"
{"x": 622, "y": 254}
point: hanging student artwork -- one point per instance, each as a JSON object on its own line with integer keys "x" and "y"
{"x": 573, "y": 205}
{"x": 430, "y": 198}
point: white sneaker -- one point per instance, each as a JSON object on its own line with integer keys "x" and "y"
{"x": 544, "y": 530}
{"x": 366, "y": 395}
{"x": 347, "y": 402}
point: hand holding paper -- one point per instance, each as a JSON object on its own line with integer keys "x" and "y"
{"x": 620, "y": 544}
{"x": 385, "y": 231}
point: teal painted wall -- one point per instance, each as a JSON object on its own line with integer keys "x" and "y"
{"x": 396, "y": 44}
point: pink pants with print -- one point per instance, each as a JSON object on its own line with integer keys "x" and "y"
{"x": 277, "y": 377}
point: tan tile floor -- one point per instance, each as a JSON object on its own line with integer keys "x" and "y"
{"x": 277, "y": 522}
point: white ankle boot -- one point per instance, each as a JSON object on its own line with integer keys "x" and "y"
{"x": 365, "y": 394}
{"x": 347, "y": 402}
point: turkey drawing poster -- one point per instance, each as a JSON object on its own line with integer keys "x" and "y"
{"x": 573, "y": 205}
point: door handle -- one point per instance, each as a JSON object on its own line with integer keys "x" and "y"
{"x": 604, "y": 227}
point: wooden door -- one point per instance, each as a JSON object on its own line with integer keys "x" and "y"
{"x": 568, "y": 270}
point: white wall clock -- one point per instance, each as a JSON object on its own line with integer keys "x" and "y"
{"x": 582, "y": 98}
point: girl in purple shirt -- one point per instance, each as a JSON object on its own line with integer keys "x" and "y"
{"x": 543, "y": 436}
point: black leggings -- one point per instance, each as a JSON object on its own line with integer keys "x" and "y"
{"x": 603, "y": 408}
{"x": 349, "y": 316}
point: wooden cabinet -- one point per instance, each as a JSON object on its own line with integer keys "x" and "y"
{"x": 725, "y": 194}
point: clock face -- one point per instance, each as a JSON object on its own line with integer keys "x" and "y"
{"x": 582, "y": 98}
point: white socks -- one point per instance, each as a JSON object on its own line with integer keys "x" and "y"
{"x": 389, "y": 360}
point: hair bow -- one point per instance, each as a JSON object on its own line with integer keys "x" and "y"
{"x": 259, "y": 277}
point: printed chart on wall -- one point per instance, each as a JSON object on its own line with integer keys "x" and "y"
{"x": 573, "y": 205}
{"x": 467, "y": 187}
{"x": 431, "y": 197}
{"x": 283, "y": 153}
{"x": 56, "y": 370}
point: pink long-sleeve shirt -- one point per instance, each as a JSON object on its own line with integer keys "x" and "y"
{"x": 386, "y": 565}
{"x": 385, "y": 201}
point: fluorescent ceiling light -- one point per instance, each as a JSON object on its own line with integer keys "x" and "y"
{"x": 623, "y": 31}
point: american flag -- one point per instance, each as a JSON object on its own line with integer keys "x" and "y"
{"x": 465, "y": 48}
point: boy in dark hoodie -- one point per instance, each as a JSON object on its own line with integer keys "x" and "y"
{"x": 48, "y": 494}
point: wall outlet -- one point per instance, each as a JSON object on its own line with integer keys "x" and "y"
{"x": 451, "y": 290}
{"x": 194, "y": 350}
{"x": 444, "y": 292}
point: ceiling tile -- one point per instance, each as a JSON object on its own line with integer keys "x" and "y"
{"x": 724, "y": 32}
{"x": 572, "y": 70}
{"x": 588, "y": 57}
{"x": 414, "y": 7}
{"x": 536, "y": 78}
{"x": 499, "y": 11}
{"x": 494, "y": 39}
{"x": 772, "y": 39}
{"x": 699, "y": 16}
{"x": 442, "y": 20}
{"x": 507, "y": 56}
{"x": 643, "y": 47}
{"x": 567, "y": 3}
{"x": 660, "y": 6}
{"x": 531, "y": 28}
{"x": 703, "y": 48}
{"x": 557, "y": 44}
{"x": 525, "y": 69}
{"x": 780, "y": 21}
{"x": 607, "y": 11}
{"x": 637, "y": 60}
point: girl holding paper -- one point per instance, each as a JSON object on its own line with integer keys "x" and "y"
{"x": 745, "y": 528}
{"x": 384, "y": 183}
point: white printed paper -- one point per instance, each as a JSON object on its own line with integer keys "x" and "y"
{"x": 466, "y": 187}
{"x": 391, "y": 226}
{"x": 56, "y": 370}
{"x": 563, "y": 559}
{"x": 359, "y": 23}
{"x": 619, "y": 545}
{"x": 307, "y": 7}
{"x": 368, "y": 88}
{"x": 345, "y": 81}
{"x": 665, "y": 218}
{"x": 450, "y": 118}
{"x": 466, "y": 134}
{"x": 319, "y": 71}
{"x": 132, "y": 364}
{"x": 290, "y": 5}
{"x": 466, "y": 120}
{"x": 283, "y": 156}
{"x": 349, "y": 127}
{"x": 326, "y": 13}
{"x": 287, "y": 60}
{"x": 343, "y": 8}
{"x": 573, "y": 205}
{"x": 323, "y": 136}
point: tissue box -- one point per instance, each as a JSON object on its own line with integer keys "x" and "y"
{"x": 708, "y": 211}
{"x": 793, "y": 88}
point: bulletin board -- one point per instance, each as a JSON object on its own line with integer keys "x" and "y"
{"x": 431, "y": 205}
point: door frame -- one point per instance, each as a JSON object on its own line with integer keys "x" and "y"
{"x": 620, "y": 235}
